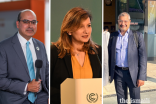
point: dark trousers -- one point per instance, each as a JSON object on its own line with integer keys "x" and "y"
{"x": 42, "y": 98}
{"x": 122, "y": 81}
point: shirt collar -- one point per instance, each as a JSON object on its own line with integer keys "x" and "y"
{"x": 22, "y": 40}
{"x": 125, "y": 33}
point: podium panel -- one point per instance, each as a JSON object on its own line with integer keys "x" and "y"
{"x": 81, "y": 91}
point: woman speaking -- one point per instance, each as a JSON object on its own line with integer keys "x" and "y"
{"x": 74, "y": 54}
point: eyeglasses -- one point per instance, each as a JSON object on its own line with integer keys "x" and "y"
{"x": 34, "y": 22}
{"x": 120, "y": 21}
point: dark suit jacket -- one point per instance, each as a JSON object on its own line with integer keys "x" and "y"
{"x": 62, "y": 69}
{"x": 14, "y": 73}
{"x": 137, "y": 58}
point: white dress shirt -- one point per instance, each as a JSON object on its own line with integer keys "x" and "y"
{"x": 23, "y": 42}
{"x": 106, "y": 35}
{"x": 105, "y": 40}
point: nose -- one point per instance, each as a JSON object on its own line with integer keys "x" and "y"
{"x": 30, "y": 24}
{"x": 86, "y": 30}
{"x": 122, "y": 22}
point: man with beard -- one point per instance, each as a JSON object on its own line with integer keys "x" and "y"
{"x": 17, "y": 65}
{"x": 127, "y": 60}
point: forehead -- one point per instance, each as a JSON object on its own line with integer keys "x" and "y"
{"x": 125, "y": 17}
{"x": 85, "y": 21}
{"x": 28, "y": 15}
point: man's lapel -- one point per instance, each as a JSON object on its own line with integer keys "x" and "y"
{"x": 17, "y": 46}
{"x": 130, "y": 40}
{"x": 114, "y": 44}
{"x": 38, "y": 52}
{"x": 37, "y": 49}
{"x": 130, "y": 44}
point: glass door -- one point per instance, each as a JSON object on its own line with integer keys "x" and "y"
{"x": 151, "y": 30}
{"x": 136, "y": 10}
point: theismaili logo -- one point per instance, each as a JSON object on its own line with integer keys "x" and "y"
{"x": 92, "y": 97}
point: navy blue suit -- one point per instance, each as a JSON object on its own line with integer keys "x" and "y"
{"x": 137, "y": 62}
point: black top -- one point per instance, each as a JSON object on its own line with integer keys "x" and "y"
{"x": 62, "y": 69}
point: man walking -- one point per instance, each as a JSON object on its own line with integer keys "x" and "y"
{"x": 127, "y": 60}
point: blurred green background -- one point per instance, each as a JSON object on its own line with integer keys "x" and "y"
{"x": 60, "y": 7}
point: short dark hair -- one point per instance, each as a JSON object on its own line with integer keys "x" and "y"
{"x": 19, "y": 16}
{"x": 106, "y": 27}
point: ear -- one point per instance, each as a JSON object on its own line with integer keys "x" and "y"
{"x": 17, "y": 24}
{"x": 69, "y": 33}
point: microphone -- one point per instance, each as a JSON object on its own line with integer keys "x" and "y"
{"x": 96, "y": 56}
{"x": 38, "y": 65}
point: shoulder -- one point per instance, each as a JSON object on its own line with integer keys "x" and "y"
{"x": 37, "y": 41}
{"x": 99, "y": 48}
{"x": 6, "y": 43}
{"x": 108, "y": 33}
{"x": 54, "y": 50}
{"x": 139, "y": 34}
{"x": 9, "y": 40}
{"x": 53, "y": 54}
{"x": 114, "y": 34}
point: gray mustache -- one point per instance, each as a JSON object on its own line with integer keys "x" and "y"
{"x": 30, "y": 29}
{"x": 122, "y": 25}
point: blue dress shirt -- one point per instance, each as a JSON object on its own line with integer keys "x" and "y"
{"x": 122, "y": 50}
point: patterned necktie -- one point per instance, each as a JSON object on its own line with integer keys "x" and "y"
{"x": 31, "y": 95}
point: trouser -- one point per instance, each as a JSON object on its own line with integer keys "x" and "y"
{"x": 122, "y": 81}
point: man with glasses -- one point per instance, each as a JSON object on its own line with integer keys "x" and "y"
{"x": 17, "y": 65}
{"x": 127, "y": 61}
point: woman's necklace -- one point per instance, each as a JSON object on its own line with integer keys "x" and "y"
{"x": 77, "y": 54}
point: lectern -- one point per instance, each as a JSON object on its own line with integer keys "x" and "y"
{"x": 81, "y": 91}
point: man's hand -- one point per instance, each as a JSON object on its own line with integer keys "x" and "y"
{"x": 140, "y": 83}
{"x": 34, "y": 86}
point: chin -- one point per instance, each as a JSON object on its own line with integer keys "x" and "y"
{"x": 30, "y": 34}
{"x": 85, "y": 41}
{"x": 123, "y": 29}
